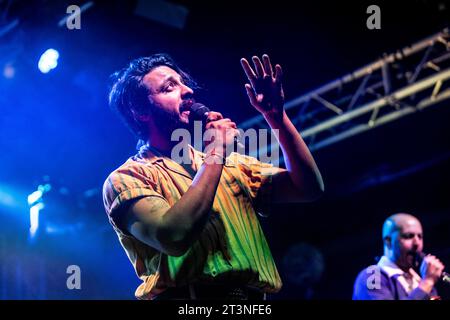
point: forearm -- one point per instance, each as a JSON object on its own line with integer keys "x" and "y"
{"x": 300, "y": 164}
{"x": 185, "y": 220}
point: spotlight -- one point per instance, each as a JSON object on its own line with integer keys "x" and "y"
{"x": 36, "y": 204}
{"x": 48, "y": 60}
{"x": 9, "y": 71}
{"x": 34, "y": 218}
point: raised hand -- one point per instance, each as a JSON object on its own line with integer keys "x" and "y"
{"x": 265, "y": 90}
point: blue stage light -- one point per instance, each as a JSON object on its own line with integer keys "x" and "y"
{"x": 48, "y": 60}
{"x": 34, "y": 218}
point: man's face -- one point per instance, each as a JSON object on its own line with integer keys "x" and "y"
{"x": 170, "y": 97}
{"x": 407, "y": 242}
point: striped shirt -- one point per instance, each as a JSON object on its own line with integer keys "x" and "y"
{"x": 232, "y": 245}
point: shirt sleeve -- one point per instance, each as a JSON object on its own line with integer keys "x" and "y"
{"x": 256, "y": 177}
{"x": 418, "y": 294}
{"x": 124, "y": 185}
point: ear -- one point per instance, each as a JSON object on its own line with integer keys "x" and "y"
{"x": 387, "y": 242}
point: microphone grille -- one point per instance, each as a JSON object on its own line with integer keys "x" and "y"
{"x": 198, "y": 110}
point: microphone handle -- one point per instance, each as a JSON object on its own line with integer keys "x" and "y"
{"x": 445, "y": 277}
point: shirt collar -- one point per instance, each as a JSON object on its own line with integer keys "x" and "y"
{"x": 392, "y": 269}
{"x": 152, "y": 155}
{"x": 389, "y": 267}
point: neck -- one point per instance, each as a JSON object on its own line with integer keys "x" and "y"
{"x": 162, "y": 143}
{"x": 403, "y": 267}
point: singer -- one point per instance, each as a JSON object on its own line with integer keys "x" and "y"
{"x": 191, "y": 230}
{"x": 395, "y": 276}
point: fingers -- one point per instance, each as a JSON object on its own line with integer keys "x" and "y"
{"x": 267, "y": 65}
{"x": 429, "y": 259}
{"x": 258, "y": 67}
{"x": 213, "y": 116}
{"x": 221, "y": 133}
{"x": 434, "y": 262}
{"x": 216, "y": 120}
{"x": 438, "y": 264}
{"x": 278, "y": 74}
{"x": 262, "y": 70}
{"x": 249, "y": 72}
{"x": 221, "y": 124}
{"x": 251, "y": 94}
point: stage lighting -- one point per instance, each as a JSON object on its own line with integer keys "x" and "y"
{"x": 9, "y": 71}
{"x": 34, "y": 218}
{"x": 36, "y": 204}
{"x": 48, "y": 60}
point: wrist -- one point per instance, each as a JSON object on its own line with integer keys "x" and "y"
{"x": 427, "y": 284}
{"x": 274, "y": 116}
{"x": 215, "y": 157}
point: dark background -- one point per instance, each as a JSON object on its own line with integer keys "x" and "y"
{"x": 56, "y": 128}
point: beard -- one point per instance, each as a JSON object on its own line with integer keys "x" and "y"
{"x": 167, "y": 122}
{"x": 408, "y": 260}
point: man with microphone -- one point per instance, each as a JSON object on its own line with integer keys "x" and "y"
{"x": 191, "y": 229}
{"x": 395, "y": 277}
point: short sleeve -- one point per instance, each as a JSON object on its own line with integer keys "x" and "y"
{"x": 257, "y": 178}
{"x": 124, "y": 185}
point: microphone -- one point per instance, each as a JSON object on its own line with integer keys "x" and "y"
{"x": 445, "y": 276}
{"x": 199, "y": 112}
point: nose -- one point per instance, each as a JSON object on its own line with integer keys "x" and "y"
{"x": 186, "y": 90}
{"x": 417, "y": 240}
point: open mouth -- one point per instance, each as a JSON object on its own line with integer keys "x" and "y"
{"x": 186, "y": 105}
{"x": 185, "y": 108}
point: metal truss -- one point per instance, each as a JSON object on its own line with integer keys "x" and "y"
{"x": 392, "y": 87}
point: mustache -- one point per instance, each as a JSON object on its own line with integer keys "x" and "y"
{"x": 186, "y": 104}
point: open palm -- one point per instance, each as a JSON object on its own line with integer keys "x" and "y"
{"x": 265, "y": 90}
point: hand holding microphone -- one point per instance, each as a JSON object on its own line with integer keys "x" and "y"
{"x": 431, "y": 268}
{"x": 221, "y": 133}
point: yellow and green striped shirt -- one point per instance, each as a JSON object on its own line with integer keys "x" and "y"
{"x": 231, "y": 247}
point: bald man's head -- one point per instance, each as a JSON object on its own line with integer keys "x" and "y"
{"x": 402, "y": 238}
{"x": 397, "y": 222}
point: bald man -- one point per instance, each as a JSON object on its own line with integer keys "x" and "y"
{"x": 394, "y": 277}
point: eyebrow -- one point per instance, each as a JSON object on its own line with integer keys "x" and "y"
{"x": 408, "y": 234}
{"x": 168, "y": 79}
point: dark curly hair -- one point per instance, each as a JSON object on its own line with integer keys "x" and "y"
{"x": 128, "y": 96}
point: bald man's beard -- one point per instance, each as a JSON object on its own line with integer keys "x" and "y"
{"x": 407, "y": 260}
{"x": 411, "y": 257}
